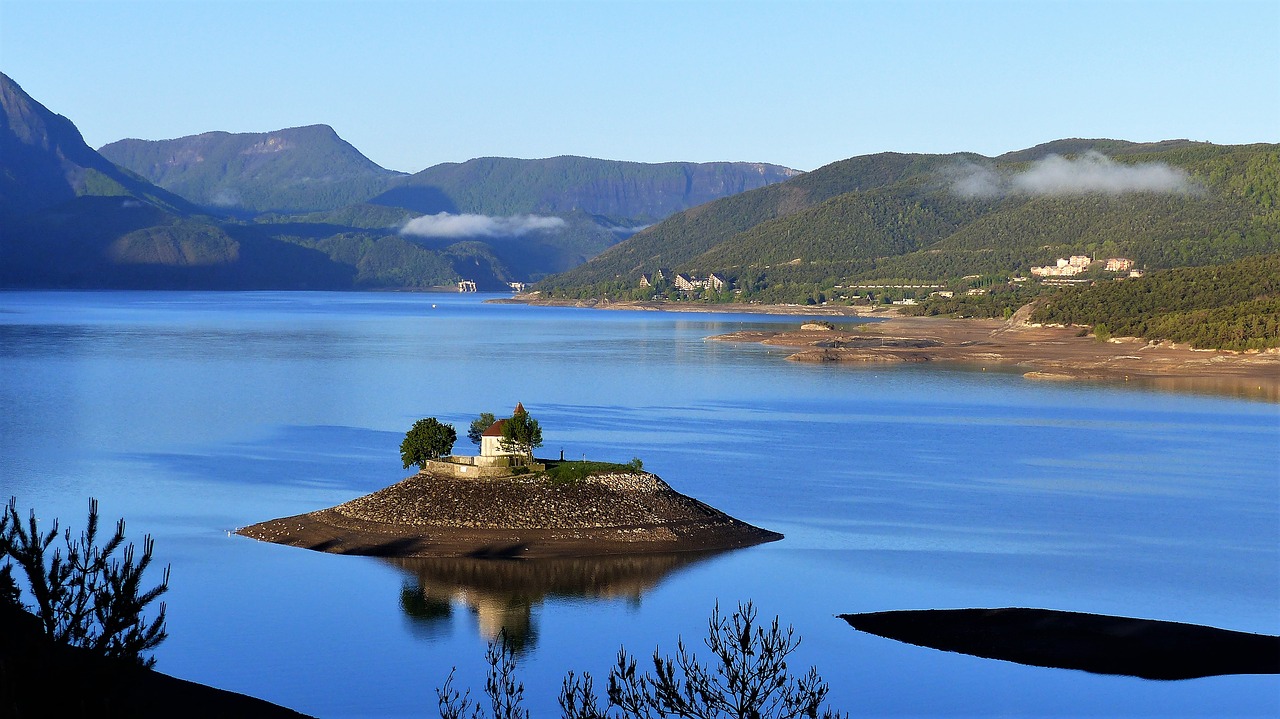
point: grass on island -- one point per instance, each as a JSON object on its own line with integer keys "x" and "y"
{"x": 572, "y": 472}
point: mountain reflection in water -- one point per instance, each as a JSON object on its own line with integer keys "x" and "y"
{"x": 502, "y": 593}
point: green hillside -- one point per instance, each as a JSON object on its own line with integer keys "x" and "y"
{"x": 1232, "y": 306}
{"x": 916, "y": 219}
{"x": 300, "y": 169}
{"x": 681, "y": 238}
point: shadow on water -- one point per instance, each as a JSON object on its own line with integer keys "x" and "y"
{"x": 1096, "y": 643}
{"x": 502, "y": 593}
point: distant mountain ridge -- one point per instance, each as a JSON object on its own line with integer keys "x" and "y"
{"x": 311, "y": 169}
{"x": 69, "y": 218}
{"x": 623, "y": 192}
{"x": 294, "y": 170}
{"x": 73, "y": 218}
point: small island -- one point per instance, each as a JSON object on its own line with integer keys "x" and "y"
{"x": 505, "y": 503}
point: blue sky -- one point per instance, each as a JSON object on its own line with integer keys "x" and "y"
{"x": 412, "y": 84}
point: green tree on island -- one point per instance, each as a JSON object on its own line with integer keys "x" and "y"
{"x": 428, "y": 439}
{"x": 479, "y": 425}
{"x": 521, "y": 433}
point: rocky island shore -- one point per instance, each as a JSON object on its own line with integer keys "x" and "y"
{"x": 432, "y": 514}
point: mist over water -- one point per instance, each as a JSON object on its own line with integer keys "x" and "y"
{"x": 191, "y": 414}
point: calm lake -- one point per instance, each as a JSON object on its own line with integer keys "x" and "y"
{"x": 191, "y": 414}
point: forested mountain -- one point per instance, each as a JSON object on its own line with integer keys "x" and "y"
{"x": 295, "y": 170}
{"x": 918, "y": 218}
{"x": 302, "y": 209}
{"x": 46, "y": 162}
{"x": 622, "y": 192}
{"x": 676, "y": 241}
{"x": 71, "y": 218}
{"x": 336, "y": 220}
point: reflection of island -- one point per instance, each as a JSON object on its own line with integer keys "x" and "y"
{"x": 503, "y": 593}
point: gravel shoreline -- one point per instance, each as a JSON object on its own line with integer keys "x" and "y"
{"x": 436, "y": 516}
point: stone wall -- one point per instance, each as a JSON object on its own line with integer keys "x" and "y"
{"x": 460, "y": 468}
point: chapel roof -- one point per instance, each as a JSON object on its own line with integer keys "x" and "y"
{"x": 495, "y": 429}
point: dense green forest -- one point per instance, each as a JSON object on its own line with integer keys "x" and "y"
{"x": 1232, "y": 306}
{"x": 678, "y": 240}
{"x": 899, "y": 219}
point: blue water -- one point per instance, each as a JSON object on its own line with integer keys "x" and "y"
{"x": 191, "y": 414}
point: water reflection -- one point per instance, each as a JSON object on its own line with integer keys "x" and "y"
{"x": 1266, "y": 389}
{"x": 503, "y": 593}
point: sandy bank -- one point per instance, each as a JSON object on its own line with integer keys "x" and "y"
{"x": 1040, "y": 353}
{"x": 435, "y": 516}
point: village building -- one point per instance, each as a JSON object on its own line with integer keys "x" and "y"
{"x": 1065, "y": 267}
{"x": 684, "y": 282}
{"x": 1118, "y": 264}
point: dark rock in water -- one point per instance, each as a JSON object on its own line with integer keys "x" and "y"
{"x": 1097, "y": 643}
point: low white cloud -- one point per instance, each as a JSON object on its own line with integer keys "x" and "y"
{"x": 448, "y": 225}
{"x": 1090, "y": 173}
{"x": 630, "y": 230}
{"x": 225, "y": 197}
